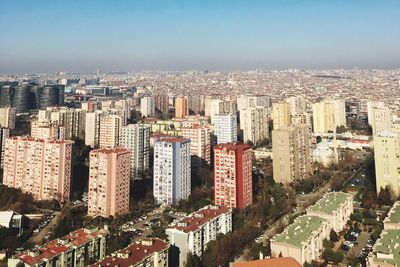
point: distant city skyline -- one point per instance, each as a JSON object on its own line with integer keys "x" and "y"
{"x": 51, "y": 36}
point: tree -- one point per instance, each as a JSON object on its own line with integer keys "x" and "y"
{"x": 356, "y": 216}
{"x": 193, "y": 261}
{"x": 386, "y": 196}
{"x": 333, "y": 236}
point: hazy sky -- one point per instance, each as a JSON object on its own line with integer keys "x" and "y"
{"x": 115, "y": 35}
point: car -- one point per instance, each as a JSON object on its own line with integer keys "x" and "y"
{"x": 36, "y": 230}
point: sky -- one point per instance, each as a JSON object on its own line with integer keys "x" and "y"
{"x": 217, "y": 35}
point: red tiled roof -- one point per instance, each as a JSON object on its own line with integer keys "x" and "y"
{"x": 135, "y": 252}
{"x": 54, "y": 247}
{"x": 193, "y": 222}
{"x": 277, "y": 262}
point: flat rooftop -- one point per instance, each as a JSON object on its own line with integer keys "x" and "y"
{"x": 195, "y": 220}
{"x": 134, "y": 254}
{"x": 300, "y": 230}
{"x": 276, "y": 262}
{"x": 388, "y": 244}
{"x": 330, "y": 202}
{"x": 394, "y": 214}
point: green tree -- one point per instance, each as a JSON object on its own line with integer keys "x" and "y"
{"x": 333, "y": 236}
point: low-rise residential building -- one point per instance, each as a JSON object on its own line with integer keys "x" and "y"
{"x": 151, "y": 252}
{"x": 277, "y": 262}
{"x": 386, "y": 251}
{"x": 336, "y": 207}
{"x": 12, "y": 220}
{"x": 192, "y": 233}
{"x": 73, "y": 250}
{"x": 302, "y": 240}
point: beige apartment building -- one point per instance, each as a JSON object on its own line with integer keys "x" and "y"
{"x": 328, "y": 114}
{"x": 110, "y": 128}
{"x": 280, "y": 115}
{"x": 41, "y": 167}
{"x": 181, "y": 107}
{"x": 291, "y": 148}
{"x": 387, "y": 160}
{"x": 8, "y": 117}
{"x": 47, "y": 130}
{"x": 200, "y": 137}
{"x": 109, "y": 177}
{"x": 379, "y": 117}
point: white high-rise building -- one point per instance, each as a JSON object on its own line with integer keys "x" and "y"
{"x": 297, "y": 104}
{"x": 225, "y": 128}
{"x": 171, "y": 170}
{"x": 254, "y": 124}
{"x": 379, "y": 117}
{"x": 147, "y": 106}
{"x": 328, "y": 114}
{"x": 136, "y": 137}
{"x": 92, "y": 128}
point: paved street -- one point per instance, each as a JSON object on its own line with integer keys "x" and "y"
{"x": 356, "y": 250}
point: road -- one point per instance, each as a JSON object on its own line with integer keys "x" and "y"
{"x": 356, "y": 250}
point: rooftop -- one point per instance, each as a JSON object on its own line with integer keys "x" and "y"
{"x": 172, "y": 140}
{"x": 330, "y": 202}
{"x": 394, "y": 214}
{"x": 388, "y": 244}
{"x": 193, "y": 221}
{"x": 134, "y": 253}
{"x": 232, "y": 146}
{"x": 111, "y": 150}
{"x": 300, "y": 230}
{"x": 41, "y": 140}
{"x": 58, "y": 246}
{"x": 276, "y": 262}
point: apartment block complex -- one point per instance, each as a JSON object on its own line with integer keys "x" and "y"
{"x": 149, "y": 252}
{"x": 291, "y": 147}
{"x": 136, "y": 137}
{"x": 41, "y": 167}
{"x": 72, "y": 250}
{"x": 233, "y": 185}
{"x": 109, "y": 182}
{"x": 254, "y": 124}
{"x": 194, "y": 232}
{"x": 171, "y": 170}
{"x": 47, "y": 130}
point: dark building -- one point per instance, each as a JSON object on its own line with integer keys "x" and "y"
{"x": 21, "y": 98}
{"x": 6, "y": 96}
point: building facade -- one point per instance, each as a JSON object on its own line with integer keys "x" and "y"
{"x": 109, "y": 182}
{"x": 254, "y": 124}
{"x": 328, "y": 115}
{"x": 200, "y": 145}
{"x": 110, "y": 129}
{"x": 171, "y": 170}
{"x": 181, "y": 107}
{"x": 41, "y": 167}
{"x": 291, "y": 148}
{"x": 225, "y": 128}
{"x": 233, "y": 186}
{"x": 280, "y": 115}
{"x": 8, "y": 117}
{"x": 136, "y": 137}
{"x": 194, "y": 232}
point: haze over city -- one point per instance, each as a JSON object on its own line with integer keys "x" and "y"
{"x": 83, "y": 36}
{"x": 200, "y": 133}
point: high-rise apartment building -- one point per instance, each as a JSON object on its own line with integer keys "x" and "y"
{"x": 8, "y": 117}
{"x": 387, "y": 160}
{"x": 171, "y": 170}
{"x": 92, "y": 128}
{"x": 280, "y": 115}
{"x": 181, "y": 107}
{"x": 225, "y": 128}
{"x": 147, "y": 106}
{"x": 110, "y": 127}
{"x": 254, "y": 124}
{"x": 41, "y": 167}
{"x": 200, "y": 142}
{"x": 328, "y": 115}
{"x": 233, "y": 186}
{"x": 136, "y": 137}
{"x": 162, "y": 103}
{"x": 379, "y": 117}
{"x": 196, "y": 104}
{"x": 291, "y": 148}
{"x": 4, "y": 134}
{"x": 297, "y": 104}
{"x": 109, "y": 182}
{"x": 47, "y": 130}
{"x": 252, "y": 101}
